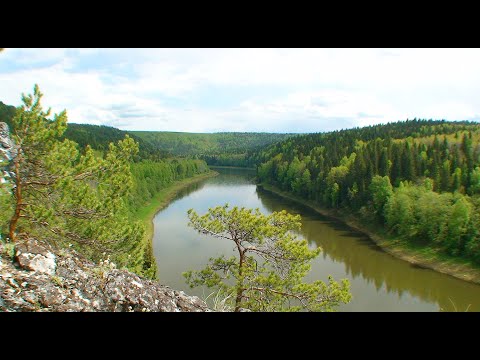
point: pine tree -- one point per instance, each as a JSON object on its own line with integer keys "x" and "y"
{"x": 396, "y": 172}
{"x": 445, "y": 180}
{"x": 65, "y": 197}
{"x": 468, "y": 151}
{"x": 268, "y": 272}
{"x": 475, "y": 181}
{"x": 34, "y": 137}
{"x": 457, "y": 180}
{"x": 408, "y": 164}
{"x": 384, "y": 163}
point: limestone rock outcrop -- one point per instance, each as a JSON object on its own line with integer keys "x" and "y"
{"x": 48, "y": 280}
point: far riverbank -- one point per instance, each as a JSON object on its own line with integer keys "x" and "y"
{"x": 421, "y": 257}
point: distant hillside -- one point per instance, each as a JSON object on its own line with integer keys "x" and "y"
{"x": 180, "y": 143}
{"x": 342, "y": 142}
{"x": 98, "y": 137}
{"x": 6, "y": 113}
{"x": 416, "y": 180}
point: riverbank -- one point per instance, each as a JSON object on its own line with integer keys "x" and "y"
{"x": 160, "y": 201}
{"x": 230, "y": 167}
{"x": 421, "y": 257}
{"x": 163, "y": 198}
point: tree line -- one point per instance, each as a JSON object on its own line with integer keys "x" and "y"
{"x": 150, "y": 177}
{"x": 98, "y": 137}
{"x": 419, "y": 179}
{"x": 71, "y": 195}
{"x": 222, "y": 148}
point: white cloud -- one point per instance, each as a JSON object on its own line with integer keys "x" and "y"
{"x": 34, "y": 56}
{"x": 307, "y": 89}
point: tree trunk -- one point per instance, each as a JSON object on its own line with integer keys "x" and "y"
{"x": 240, "y": 289}
{"x": 18, "y": 202}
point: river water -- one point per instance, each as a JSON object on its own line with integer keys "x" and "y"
{"x": 379, "y": 282}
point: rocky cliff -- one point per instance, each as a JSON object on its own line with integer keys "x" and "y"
{"x": 6, "y": 151}
{"x": 35, "y": 277}
{"x": 6, "y": 144}
{"x": 42, "y": 279}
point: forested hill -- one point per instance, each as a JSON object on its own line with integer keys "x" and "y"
{"x": 6, "y": 113}
{"x": 182, "y": 143}
{"x": 98, "y": 137}
{"x": 216, "y": 148}
{"x": 419, "y": 179}
{"x": 96, "y": 201}
{"x": 343, "y": 142}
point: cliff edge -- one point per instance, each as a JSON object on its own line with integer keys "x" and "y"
{"x": 35, "y": 277}
{"x": 41, "y": 279}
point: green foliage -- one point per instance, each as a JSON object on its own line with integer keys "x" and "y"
{"x": 6, "y": 113}
{"x": 100, "y": 137}
{"x": 418, "y": 214}
{"x": 86, "y": 193}
{"x": 458, "y": 225}
{"x": 150, "y": 177}
{"x": 420, "y": 179}
{"x": 221, "y": 149}
{"x": 95, "y": 136}
{"x": 8, "y": 250}
{"x": 475, "y": 181}
{"x": 6, "y": 200}
{"x": 381, "y": 190}
{"x": 6, "y": 208}
{"x": 268, "y": 272}
{"x": 402, "y": 151}
{"x": 66, "y": 197}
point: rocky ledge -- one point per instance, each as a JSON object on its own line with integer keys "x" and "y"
{"x": 47, "y": 280}
{"x": 6, "y": 144}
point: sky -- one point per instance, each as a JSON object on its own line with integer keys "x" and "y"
{"x": 248, "y": 90}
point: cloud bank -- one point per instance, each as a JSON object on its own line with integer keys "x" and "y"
{"x": 272, "y": 90}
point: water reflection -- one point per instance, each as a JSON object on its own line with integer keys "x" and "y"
{"x": 379, "y": 281}
{"x": 364, "y": 260}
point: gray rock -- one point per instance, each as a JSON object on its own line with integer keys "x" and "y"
{"x": 35, "y": 257}
{"x": 5, "y": 141}
{"x": 7, "y": 150}
{"x": 44, "y": 279}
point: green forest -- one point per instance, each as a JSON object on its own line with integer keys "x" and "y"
{"x": 418, "y": 180}
{"x": 239, "y": 180}
{"x": 221, "y": 149}
{"x": 100, "y": 136}
{"x": 415, "y": 181}
{"x": 83, "y": 185}
{"x": 97, "y": 137}
{"x": 156, "y": 160}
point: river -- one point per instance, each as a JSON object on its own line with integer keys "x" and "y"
{"x": 379, "y": 282}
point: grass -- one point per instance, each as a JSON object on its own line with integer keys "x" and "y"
{"x": 422, "y": 256}
{"x": 162, "y": 199}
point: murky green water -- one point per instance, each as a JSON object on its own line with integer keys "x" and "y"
{"x": 379, "y": 282}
